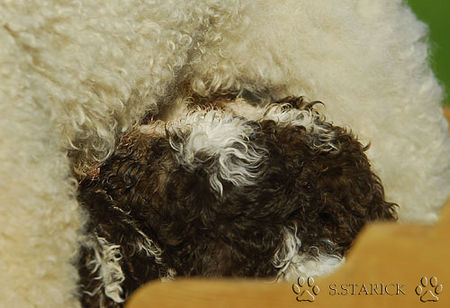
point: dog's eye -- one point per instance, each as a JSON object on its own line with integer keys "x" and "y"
{"x": 324, "y": 216}
{"x": 307, "y": 186}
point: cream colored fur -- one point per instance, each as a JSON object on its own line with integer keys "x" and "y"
{"x": 75, "y": 75}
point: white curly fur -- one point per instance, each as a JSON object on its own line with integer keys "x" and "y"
{"x": 224, "y": 139}
{"x": 106, "y": 266}
{"x": 304, "y": 118}
{"x": 76, "y": 75}
{"x": 292, "y": 263}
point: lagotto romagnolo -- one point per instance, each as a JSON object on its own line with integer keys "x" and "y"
{"x": 77, "y": 76}
{"x": 223, "y": 188}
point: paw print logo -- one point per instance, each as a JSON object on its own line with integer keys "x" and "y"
{"x": 305, "y": 289}
{"x": 429, "y": 289}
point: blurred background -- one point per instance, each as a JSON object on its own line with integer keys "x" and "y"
{"x": 436, "y": 13}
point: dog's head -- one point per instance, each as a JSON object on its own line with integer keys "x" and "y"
{"x": 223, "y": 195}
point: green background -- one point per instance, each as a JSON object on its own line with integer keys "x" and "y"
{"x": 436, "y": 13}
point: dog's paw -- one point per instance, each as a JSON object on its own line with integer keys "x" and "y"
{"x": 305, "y": 289}
{"x": 428, "y": 290}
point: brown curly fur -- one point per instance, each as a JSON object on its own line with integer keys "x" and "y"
{"x": 326, "y": 194}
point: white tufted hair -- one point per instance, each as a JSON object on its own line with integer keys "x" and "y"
{"x": 223, "y": 138}
{"x": 292, "y": 263}
{"x": 106, "y": 266}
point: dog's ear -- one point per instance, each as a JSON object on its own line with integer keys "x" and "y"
{"x": 347, "y": 193}
{"x": 329, "y": 176}
{"x": 362, "y": 183}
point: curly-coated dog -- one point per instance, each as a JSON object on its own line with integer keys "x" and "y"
{"x": 77, "y": 76}
{"x": 215, "y": 194}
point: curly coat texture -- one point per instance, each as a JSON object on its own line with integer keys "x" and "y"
{"x": 229, "y": 206}
{"x": 75, "y": 76}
